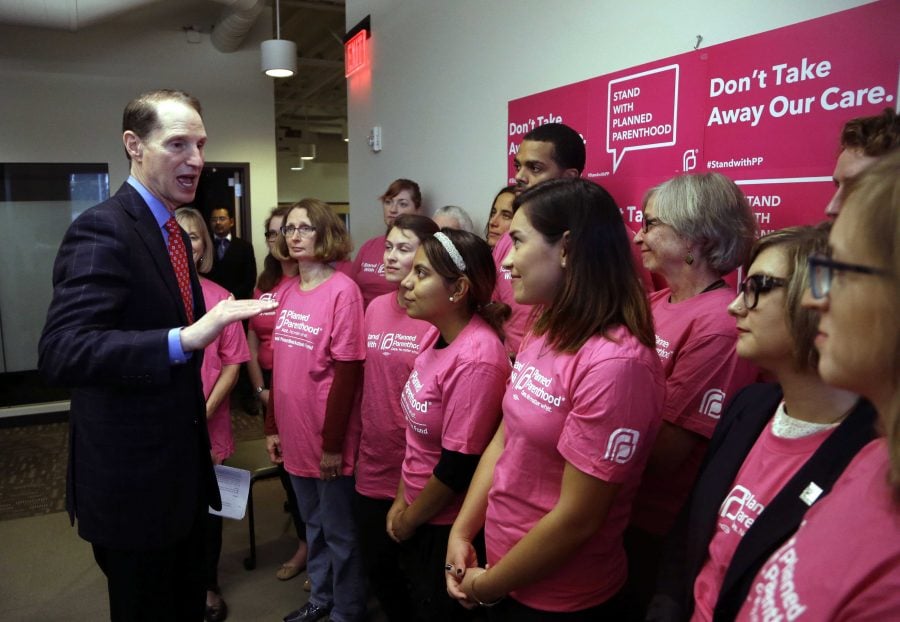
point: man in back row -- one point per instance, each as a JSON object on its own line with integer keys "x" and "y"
{"x": 863, "y": 142}
{"x": 550, "y": 151}
{"x": 234, "y": 266}
{"x": 125, "y": 329}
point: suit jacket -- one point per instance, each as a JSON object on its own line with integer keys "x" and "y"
{"x": 688, "y": 544}
{"x": 236, "y": 271}
{"x": 139, "y": 464}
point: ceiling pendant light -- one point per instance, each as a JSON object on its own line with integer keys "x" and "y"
{"x": 279, "y": 56}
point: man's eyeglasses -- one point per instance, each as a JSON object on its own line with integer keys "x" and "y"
{"x": 757, "y": 284}
{"x": 271, "y": 234}
{"x": 822, "y": 270}
{"x": 648, "y": 223}
{"x": 305, "y": 231}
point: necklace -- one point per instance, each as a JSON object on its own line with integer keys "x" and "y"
{"x": 719, "y": 284}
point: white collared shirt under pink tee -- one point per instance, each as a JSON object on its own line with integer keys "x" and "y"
{"x": 598, "y": 410}
{"x": 393, "y": 340}
{"x": 452, "y": 401}
{"x": 843, "y": 564}
{"x": 771, "y": 463}
{"x": 228, "y": 348}
{"x": 313, "y": 329}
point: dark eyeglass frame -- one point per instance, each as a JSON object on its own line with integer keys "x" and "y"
{"x": 823, "y": 267}
{"x": 271, "y": 234}
{"x": 649, "y": 223}
{"x": 757, "y": 284}
{"x": 304, "y": 230}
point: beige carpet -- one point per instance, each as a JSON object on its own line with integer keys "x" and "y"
{"x": 47, "y": 573}
{"x": 33, "y": 465}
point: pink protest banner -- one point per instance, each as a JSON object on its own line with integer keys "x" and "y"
{"x": 765, "y": 110}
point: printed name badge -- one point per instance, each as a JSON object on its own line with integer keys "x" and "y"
{"x": 810, "y": 493}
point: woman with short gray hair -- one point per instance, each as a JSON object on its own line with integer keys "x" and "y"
{"x": 695, "y": 230}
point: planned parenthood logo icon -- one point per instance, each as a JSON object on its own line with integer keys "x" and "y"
{"x": 622, "y": 445}
{"x": 712, "y": 403}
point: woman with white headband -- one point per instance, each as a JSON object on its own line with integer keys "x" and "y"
{"x": 451, "y": 403}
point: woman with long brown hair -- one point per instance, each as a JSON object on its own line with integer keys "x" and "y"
{"x": 553, "y": 490}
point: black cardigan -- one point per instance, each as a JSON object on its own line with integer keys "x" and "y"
{"x": 687, "y": 546}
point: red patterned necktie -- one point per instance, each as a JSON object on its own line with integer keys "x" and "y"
{"x": 178, "y": 257}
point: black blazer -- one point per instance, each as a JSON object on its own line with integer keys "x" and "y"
{"x": 139, "y": 464}
{"x": 236, "y": 272}
{"x": 687, "y": 546}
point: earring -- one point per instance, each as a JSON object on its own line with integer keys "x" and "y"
{"x": 563, "y": 263}
{"x": 689, "y": 258}
{"x": 451, "y": 299}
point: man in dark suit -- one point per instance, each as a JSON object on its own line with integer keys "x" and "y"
{"x": 234, "y": 266}
{"x": 126, "y": 328}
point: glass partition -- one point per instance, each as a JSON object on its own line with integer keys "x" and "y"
{"x": 37, "y": 204}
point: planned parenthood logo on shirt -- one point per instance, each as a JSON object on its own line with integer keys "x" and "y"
{"x": 392, "y": 342}
{"x": 712, "y": 403}
{"x": 535, "y": 387}
{"x": 373, "y": 268}
{"x": 622, "y": 445}
{"x": 775, "y": 597}
{"x": 739, "y": 510}
{"x": 294, "y": 329}
{"x": 412, "y": 407}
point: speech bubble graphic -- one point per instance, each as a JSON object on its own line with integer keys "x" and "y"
{"x": 642, "y": 112}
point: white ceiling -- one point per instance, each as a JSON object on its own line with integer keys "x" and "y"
{"x": 313, "y": 101}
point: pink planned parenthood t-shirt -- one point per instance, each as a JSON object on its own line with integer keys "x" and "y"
{"x": 229, "y": 348}
{"x": 519, "y": 321}
{"x": 263, "y": 324}
{"x": 452, "y": 401}
{"x": 695, "y": 341}
{"x": 843, "y": 563}
{"x": 313, "y": 329}
{"x": 597, "y": 409}
{"x": 771, "y": 463}
{"x": 393, "y": 340}
{"x": 368, "y": 270}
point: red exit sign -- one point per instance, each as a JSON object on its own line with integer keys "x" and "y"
{"x": 356, "y": 53}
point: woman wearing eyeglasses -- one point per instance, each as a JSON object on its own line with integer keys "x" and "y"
{"x": 312, "y": 421}
{"x": 778, "y": 449}
{"x": 276, "y": 272}
{"x": 844, "y": 561}
{"x": 695, "y": 230}
{"x": 451, "y": 402}
{"x": 554, "y": 488}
